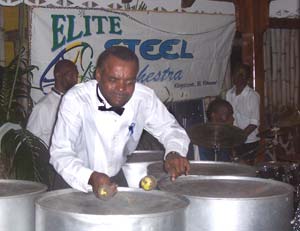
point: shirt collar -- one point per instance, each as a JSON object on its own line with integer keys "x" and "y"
{"x": 244, "y": 91}
{"x": 104, "y": 103}
{"x": 57, "y": 92}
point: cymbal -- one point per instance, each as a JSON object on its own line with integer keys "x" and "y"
{"x": 216, "y": 135}
{"x": 290, "y": 121}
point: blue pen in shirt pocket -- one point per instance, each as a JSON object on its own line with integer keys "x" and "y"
{"x": 131, "y": 129}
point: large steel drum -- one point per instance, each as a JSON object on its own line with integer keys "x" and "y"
{"x": 136, "y": 166}
{"x": 233, "y": 203}
{"x": 206, "y": 168}
{"x": 17, "y": 212}
{"x": 129, "y": 210}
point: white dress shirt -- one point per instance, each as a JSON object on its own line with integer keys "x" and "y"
{"x": 86, "y": 139}
{"x": 245, "y": 110}
{"x": 43, "y": 115}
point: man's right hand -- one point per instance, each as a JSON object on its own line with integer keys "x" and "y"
{"x": 98, "y": 180}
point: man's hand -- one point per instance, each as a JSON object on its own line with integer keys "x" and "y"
{"x": 249, "y": 129}
{"x": 100, "y": 180}
{"x": 176, "y": 165}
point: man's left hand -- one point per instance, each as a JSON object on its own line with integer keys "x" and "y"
{"x": 176, "y": 165}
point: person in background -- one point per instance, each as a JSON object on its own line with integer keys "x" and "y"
{"x": 42, "y": 118}
{"x": 219, "y": 111}
{"x": 101, "y": 121}
{"x": 245, "y": 102}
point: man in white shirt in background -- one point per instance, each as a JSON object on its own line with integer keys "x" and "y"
{"x": 42, "y": 118}
{"x": 245, "y": 102}
{"x": 101, "y": 121}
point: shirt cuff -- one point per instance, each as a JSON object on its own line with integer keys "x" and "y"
{"x": 175, "y": 147}
{"x": 254, "y": 122}
{"x": 82, "y": 179}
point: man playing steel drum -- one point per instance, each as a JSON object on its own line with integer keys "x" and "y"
{"x": 100, "y": 122}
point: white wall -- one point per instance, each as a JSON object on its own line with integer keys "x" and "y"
{"x": 285, "y": 8}
{"x": 278, "y": 8}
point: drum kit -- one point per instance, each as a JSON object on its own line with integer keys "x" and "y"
{"x": 217, "y": 136}
{"x": 287, "y": 169}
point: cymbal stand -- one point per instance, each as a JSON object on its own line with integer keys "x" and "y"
{"x": 274, "y": 142}
{"x": 271, "y": 144}
{"x": 216, "y": 150}
{"x": 275, "y": 130}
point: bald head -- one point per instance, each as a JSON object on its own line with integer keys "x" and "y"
{"x": 65, "y": 75}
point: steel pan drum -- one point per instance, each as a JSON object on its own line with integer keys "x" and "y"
{"x": 136, "y": 166}
{"x": 233, "y": 203}
{"x": 17, "y": 198}
{"x": 129, "y": 210}
{"x": 207, "y": 168}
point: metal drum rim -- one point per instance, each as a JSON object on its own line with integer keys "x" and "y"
{"x": 139, "y": 163}
{"x": 147, "y": 151}
{"x": 218, "y": 163}
{"x": 120, "y": 189}
{"x": 222, "y": 162}
{"x": 43, "y": 188}
{"x": 289, "y": 188}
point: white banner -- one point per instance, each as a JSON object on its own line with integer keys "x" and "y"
{"x": 182, "y": 56}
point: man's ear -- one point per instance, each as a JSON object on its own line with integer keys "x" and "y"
{"x": 57, "y": 76}
{"x": 98, "y": 74}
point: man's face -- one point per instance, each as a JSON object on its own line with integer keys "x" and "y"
{"x": 69, "y": 77}
{"x": 224, "y": 115}
{"x": 117, "y": 80}
{"x": 239, "y": 79}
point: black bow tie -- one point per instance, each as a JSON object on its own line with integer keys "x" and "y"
{"x": 118, "y": 110}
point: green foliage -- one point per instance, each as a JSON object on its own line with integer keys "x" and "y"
{"x": 23, "y": 155}
{"x": 26, "y": 157}
{"x": 15, "y": 84}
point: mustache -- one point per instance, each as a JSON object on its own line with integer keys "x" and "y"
{"x": 121, "y": 95}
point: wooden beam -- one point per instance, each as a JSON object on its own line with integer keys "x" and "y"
{"x": 252, "y": 16}
{"x": 284, "y": 23}
{"x": 252, "y": 19}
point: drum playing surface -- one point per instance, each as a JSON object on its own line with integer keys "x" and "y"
{"x": 207, "y": 168}
{"x": 225, "y": 187}
{"x": 125, "y": 202}
{"x": 19, "y": 187}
